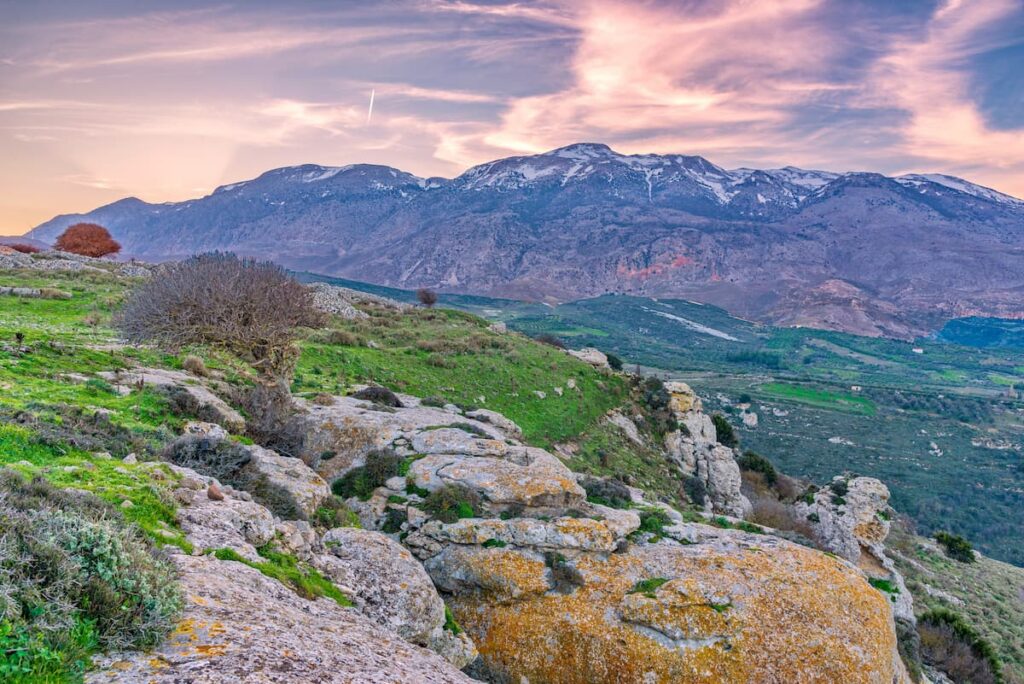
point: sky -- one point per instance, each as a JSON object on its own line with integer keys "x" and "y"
{"x": 167, "y": 100}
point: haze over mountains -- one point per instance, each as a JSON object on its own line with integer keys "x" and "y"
{"x": 858, "y": 252}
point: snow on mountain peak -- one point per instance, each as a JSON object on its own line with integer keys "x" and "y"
{"x": 918, "y": 181}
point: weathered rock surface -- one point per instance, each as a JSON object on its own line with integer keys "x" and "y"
{"x": 389, "y": 586}
{"x": 737, "y": 609}
{"x": 288, "y": 482}
{"x": 594, "y": 357}
{"x": 335, "y": 300}
{"x": 339, "y": 436}
{"x": 697, "y": 452}
{"x": 855, "y": 526}
{"x": 240, "y": 626}
{"x": 210, "y": 406}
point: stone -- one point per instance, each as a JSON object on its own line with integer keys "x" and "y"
{"x": 738, "y": 608}
{"x": 749, "y": 419}
{"x": 239, "y": 625}
{"x": 627, "y": 426}
{"x": 498, "y": 327}
{"x": 590, "y": 355}
{"x": 508, "y": 427}
{"x": 209, "y": 403}
{"x": 291, "y": 485}
{"x": 534, "y": 479}
{"x": 198, "y": 428}
{"x": 213, "y": 492}
{"x": 130, "y": 459}
{"x": 350, "y": 428}
{"x": 389, "y": 586}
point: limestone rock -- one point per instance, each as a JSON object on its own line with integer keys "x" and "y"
{"x": 335, "y": 300}
{"x": 499, "y": 421}
{"x": 527, "y": 477}
{"x": 283, "y": 483}
{"x": 389, "y": 586}
{"x": 216, "y": 409}
{"x": 590, "y": 355}
{"x": 339, "y": 436}
{"x": 739, "y": 608}
{"x": 240, "y": 626}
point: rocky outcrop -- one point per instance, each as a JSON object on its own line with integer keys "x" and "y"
{"x": 372, "y": 567}
{"x": 204, "y": 403}
{"x": 240, "y": 626}
{"x": 594, "y": 357}
{"x": 284, "y": 483}
{"x": 850, "y": 518}
{"x": 695, "y": 449}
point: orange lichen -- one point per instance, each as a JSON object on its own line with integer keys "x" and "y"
{"x": 793, "y": 615}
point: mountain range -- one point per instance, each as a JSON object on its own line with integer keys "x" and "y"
{"x": 858, "y": 252}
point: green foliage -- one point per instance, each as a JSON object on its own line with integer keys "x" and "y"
{"x": 288, "y": 570}
{"x": 656, "y": 399}
{"x": 648, "y": 587}
{"x": 451, "y": 503}
{"x": 614, "y": 362}
{"x": 884, "y": 585}
{"x": 725, "y": 431}
{"x": 332, "y": 513}
{"x": 946, "y": 640}
{"x": 956, "y": 546}
{"x": 381, "y": 464}
{"x": 755, "y": 462}
{"x": 494, "y": 544}
{"x": 74, "y": 576}
{"x": 653, "y": 520}
{"x": 695, "y": 490}
{"x": 449, "y": 622}
{"x": 607, "y": 492}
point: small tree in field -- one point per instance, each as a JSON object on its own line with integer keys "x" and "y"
{"x": 87, "y": 239}
{"x": 427, "y": 298}
{"x": 249, "y": 308}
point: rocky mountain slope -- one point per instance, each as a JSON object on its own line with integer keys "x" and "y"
{"x": 858, "y": 252}
{"x": 406, "y": 538}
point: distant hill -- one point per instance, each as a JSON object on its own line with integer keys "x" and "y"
{"x": 858, "y": 252}
{"x": 984, "y": 332}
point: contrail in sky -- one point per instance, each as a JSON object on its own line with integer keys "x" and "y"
{"x": 369, "y": 112}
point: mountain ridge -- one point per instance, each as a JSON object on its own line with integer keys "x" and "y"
{"x": 855, "y": 251}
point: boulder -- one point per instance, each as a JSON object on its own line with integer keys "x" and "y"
{"x": 737, "y": 608}
{"x": 594, "y": 357}
{"x": 240, "y": 626}
{"x": 286, "y": 485}
{"x": 499, "y": 421}
{"x": 390, "y": 587}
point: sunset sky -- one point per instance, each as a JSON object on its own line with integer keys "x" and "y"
{"x": 165, "y": 101}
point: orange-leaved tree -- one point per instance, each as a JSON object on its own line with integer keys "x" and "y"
{"x": 87, "y": 239}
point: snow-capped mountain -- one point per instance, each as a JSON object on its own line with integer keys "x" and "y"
{"x": 856, "y": 251}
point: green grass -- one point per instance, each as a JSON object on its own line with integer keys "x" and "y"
{"x": 285, "y": 568}
{"x": 27, "y": 658}
{"x": 648, "y": 587}
{"x": 883, "y": 585}
{"x": 152, "y": 507}
{"x": 820, "y": 398}
{"x": 451, "y": 354}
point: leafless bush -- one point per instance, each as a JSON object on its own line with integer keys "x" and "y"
{"x": 24, "y": 248}
{"x": 249, "y": 308}
{"x": 427, "y": 298}
{"x": 952, "y": 646}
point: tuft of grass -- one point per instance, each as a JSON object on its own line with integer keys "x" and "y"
{"x": 648, "y": 587}
{"x": 883, "y": 585}
{"x": 494, "y": 544}
{"x": 288, "y": 570}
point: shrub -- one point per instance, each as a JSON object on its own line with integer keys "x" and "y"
{"x": 550, "y": 340}
{"x": 657, "y": 401}
{"x": 381, "y": 464}
{"x": 342, "y": 338}
{"x": 195, "y": 366}
{"x": 949, "y": 643}
{"x": 427, "y": 298}
{"x": 221, "y": 459}
{"x": 452, "y": 502}
{"x": 332, "y": 513}
{"x": 653, "y": 520}
{"x": 725, "y": 431}
{"x": 839, "y": 487}
{"x": 755, "y": 462}
{"x": 87, "y": 239}
{"x": 956, "y": 547}
{"x": 24, "y": 248}
{"x": 74, "y": 575}
{"x": 611, "y": 493}
{"x": 378, "y": 395}
{"x": 695, "y": 490}
{"x": 434, "y": 401}
{"x": 614, "y": 362}
{"x": 248, "y": 308}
